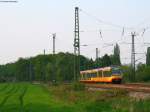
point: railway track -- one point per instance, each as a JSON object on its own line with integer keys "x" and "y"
{"x": 137, "y": 87}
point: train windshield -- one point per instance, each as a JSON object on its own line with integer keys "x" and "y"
{"x": 116, "y": 71}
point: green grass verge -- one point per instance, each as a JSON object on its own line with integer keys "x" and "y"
{"x": 26, "y": 97}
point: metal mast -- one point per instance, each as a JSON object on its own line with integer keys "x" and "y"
{"x": 133, "y": 54}
{"x": 54, "y": 37}
{"x": 96, "y": 53}
{"x": 76, "y": 45}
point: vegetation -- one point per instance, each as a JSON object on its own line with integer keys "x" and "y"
{"x": 58, "y": 67}
{"x": 25, "y": 97}
{"x": 148, "y": 57}
{"x": 116, "y": 56}
{"x": 78, "y": 86}
{"x": 143, "y": 73}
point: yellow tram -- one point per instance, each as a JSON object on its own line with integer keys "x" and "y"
{"x": 105, "y": 75}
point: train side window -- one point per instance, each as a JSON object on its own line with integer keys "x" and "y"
{"x": 94, "y": 75}
{"x": 85, "y": 76}
{"x": 91, "y": 75}
{"x": 99, "y": 73}
{"x": 107, "y": 73}
{"x": 81, "y": 76}
{"x": 88, "y": 76}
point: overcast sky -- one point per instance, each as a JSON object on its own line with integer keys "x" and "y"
{"x": 26, "y": 27}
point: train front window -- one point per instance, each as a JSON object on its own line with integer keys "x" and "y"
{"x": 116, "y": 71}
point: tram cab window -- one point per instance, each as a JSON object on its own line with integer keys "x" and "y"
{"x": 116, "y": 71}
{"x": 107, "y": 73}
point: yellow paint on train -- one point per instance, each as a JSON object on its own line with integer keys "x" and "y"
{"x": 105, "y": 74}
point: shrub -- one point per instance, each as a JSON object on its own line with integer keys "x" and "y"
{"x": 77, "y": 86}
{"x": 116, "y": 93}
{"x": 143, "y": 73}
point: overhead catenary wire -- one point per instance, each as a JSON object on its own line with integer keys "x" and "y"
{"x": 143, "y": 22}
{"x": 110, "y": 23}
{"x": 105, "y": 22}
{"x": 101, "y": 32}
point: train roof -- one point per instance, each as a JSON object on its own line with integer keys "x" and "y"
{"x": 99, "y": 69}
{"x": 96, "y": 70}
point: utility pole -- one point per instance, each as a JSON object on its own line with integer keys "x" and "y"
{"x": 133, "y": 34}
{"x": 30, "y": 70}
{"x": 54, "y": 64}
{"x": 76, "y": 45}
{"x": 44, "y": 51}
{"x": 97, "y": 53}
{"x": 54, "y": 37}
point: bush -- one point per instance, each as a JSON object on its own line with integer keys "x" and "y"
{"x": 143, "y": 73}
{"x": 77, "y": 86}
{"x": 127, "y": 73}
{"x": 116, "y": 93}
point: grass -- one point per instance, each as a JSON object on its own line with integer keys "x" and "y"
{"x": 26, "y": 97}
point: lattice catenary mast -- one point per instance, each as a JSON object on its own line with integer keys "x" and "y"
{"x": 76, "y": 45}
{"x": 133, "y": 34}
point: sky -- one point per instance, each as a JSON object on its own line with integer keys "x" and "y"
{"x": 26, "y": 27}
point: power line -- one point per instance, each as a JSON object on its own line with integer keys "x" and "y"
{"x": 141, "y": 23}
{"x": 112, "y": 24}
{"x": 104, "y": 22}
{"x": 122, "y": 30}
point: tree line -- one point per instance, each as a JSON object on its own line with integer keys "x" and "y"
{"x": 60, "y": 67}
{"x": 50, "y": 67}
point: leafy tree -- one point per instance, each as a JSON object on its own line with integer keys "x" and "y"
{"x": 106, "y": 61}
{"x": 143, "y": 73}
{"x": 116, "y": 56}
{"x": 49, "y": 72}
{"x": 22, "y": 69}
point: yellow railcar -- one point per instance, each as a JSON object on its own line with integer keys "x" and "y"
{"x": 105, "y": 75}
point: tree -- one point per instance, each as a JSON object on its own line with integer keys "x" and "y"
{"x": 106, "y": 61}
{"x": 22, "y": 69}
{"x": 148, "y": 57}
{"x": 49, "y": 72}
{"x": 116, "y": 57}
{"x": 143, "y": 73}
{"x": 49, "y": 67}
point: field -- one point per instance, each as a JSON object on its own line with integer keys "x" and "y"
{"x": 26, "y": 97}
